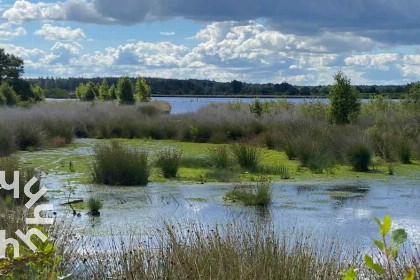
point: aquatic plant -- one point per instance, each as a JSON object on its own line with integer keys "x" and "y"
{"x": 116, "y": 164}
{"x": 94, "y": 205}
{"x": 251, "y": 195}
{"x": 169, "y": 162}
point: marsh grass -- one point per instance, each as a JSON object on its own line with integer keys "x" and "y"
{"x": 274, "y": 170}
{"x": 195, "y": 162}
{"x": 251, "y": 195}
{"x": 116, "y": 164}
{"x": 169, "y": 162}
{"x": 94, "y": 205}
{"x": 219, "y": 156}
{"x": 247, "y": 156}
{"x": 359, "y": 156}
{"x": 9, "y": 165}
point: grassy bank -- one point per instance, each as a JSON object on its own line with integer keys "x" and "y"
{"x": 80, "y": 155}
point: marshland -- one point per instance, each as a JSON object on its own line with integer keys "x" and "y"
{"x": 152, "y": 188}
{"x": 143, "y": 193}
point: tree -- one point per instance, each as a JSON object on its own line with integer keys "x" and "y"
{"x": 104, "y": 91}
{"x": 412, "y": 99}
{"x": 7, "y": 95}
{"x": 236, "y": 86}
{"x": 80, "y": 91}
{"x": 38, "y": 93}
{"x": 112, "y": 92}
{"x": 143, "y": 91}
{"x": 11, "y": 67}
{"x": 91, "y": 91}
{"x": 344, "y": 100}
{"x": 125, "y": 91}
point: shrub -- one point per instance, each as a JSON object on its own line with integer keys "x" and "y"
{"x": 59, "y": 128}
{"x": 7, "y": 95}
{"x": 7, "y": 141}
{"x": 94, "y": 205}
{"x": 247, "y": 156}
{"x": 29, "y": 136}
{"x": 119, "y": 165}
{"x": 219, "y": 156}
{"x": 169, "y": 161}
{"x": 359, "y": 156}
{"x": 404, "y": 151}
{"x": 251, "y": 195}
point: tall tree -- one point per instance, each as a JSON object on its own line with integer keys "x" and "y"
{"x": 104, "y": 91}
{"x": 11, "y": 67}
{"x": 38, "y": 93}
{"x": 91, "y": 91}
{"x": 412, "y": 99}
{"x": 125, "y": 91}
{"x": 344, "y": 100}
{"x": 143, "y": 90}
{"x": 112, "y": 92}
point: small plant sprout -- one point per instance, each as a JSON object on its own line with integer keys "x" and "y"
{"x": 388, "y": 245}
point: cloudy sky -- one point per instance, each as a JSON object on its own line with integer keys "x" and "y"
{"x": 302, "y": 41}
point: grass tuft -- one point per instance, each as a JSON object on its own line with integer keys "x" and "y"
{"x": 251, "y": 195}
{"x": 169, "y": 162}
{"x": 119, "y": 165}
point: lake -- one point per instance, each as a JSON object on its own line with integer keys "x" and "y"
{"x": 193, "y": 104}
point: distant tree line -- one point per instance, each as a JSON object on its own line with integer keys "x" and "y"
{"x": 160, "y": 86}
{"x": 13, "y": 89}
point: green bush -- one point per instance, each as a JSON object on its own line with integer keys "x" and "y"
{"x": 119, "y": 165}
{"x": 169, "y": 161}
{"x": 359, "y": 156}
{"x": 247, "y": 156}
{"x": 219, "y": 156}
{"x": 251, "y": 195}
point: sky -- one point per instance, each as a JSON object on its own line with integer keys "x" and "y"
{"x": 303, "y": 42}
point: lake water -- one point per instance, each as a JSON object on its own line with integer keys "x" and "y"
{"x": 337, "y": 208}
{"x": 192, "y": 104}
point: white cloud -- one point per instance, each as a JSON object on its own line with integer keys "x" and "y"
{"x": 57, "y": 33}
{"x": 165, "y": 33}
{"x": 7, "y": 32}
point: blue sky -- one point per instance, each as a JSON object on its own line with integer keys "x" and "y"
{"x": 300, "y": 42}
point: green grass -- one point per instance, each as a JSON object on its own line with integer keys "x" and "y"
{"x": 251, "y": 195}
{"x": 78, "y": 153}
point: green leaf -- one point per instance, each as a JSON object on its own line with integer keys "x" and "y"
{"x": 379, "y": 244}
{"x": 393, "y": 252}
{"x": 350, "y": 275}
{"x": 372, "y": 265}
{"x": 386, "y": 226}
{"x": 378, "y": 222}
{"x": 399, "y": 236}
{"x": 409, "y": 274}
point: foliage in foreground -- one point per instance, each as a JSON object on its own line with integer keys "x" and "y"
{"x": 389, "y": 247}
{"x": 116, "y": 164}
